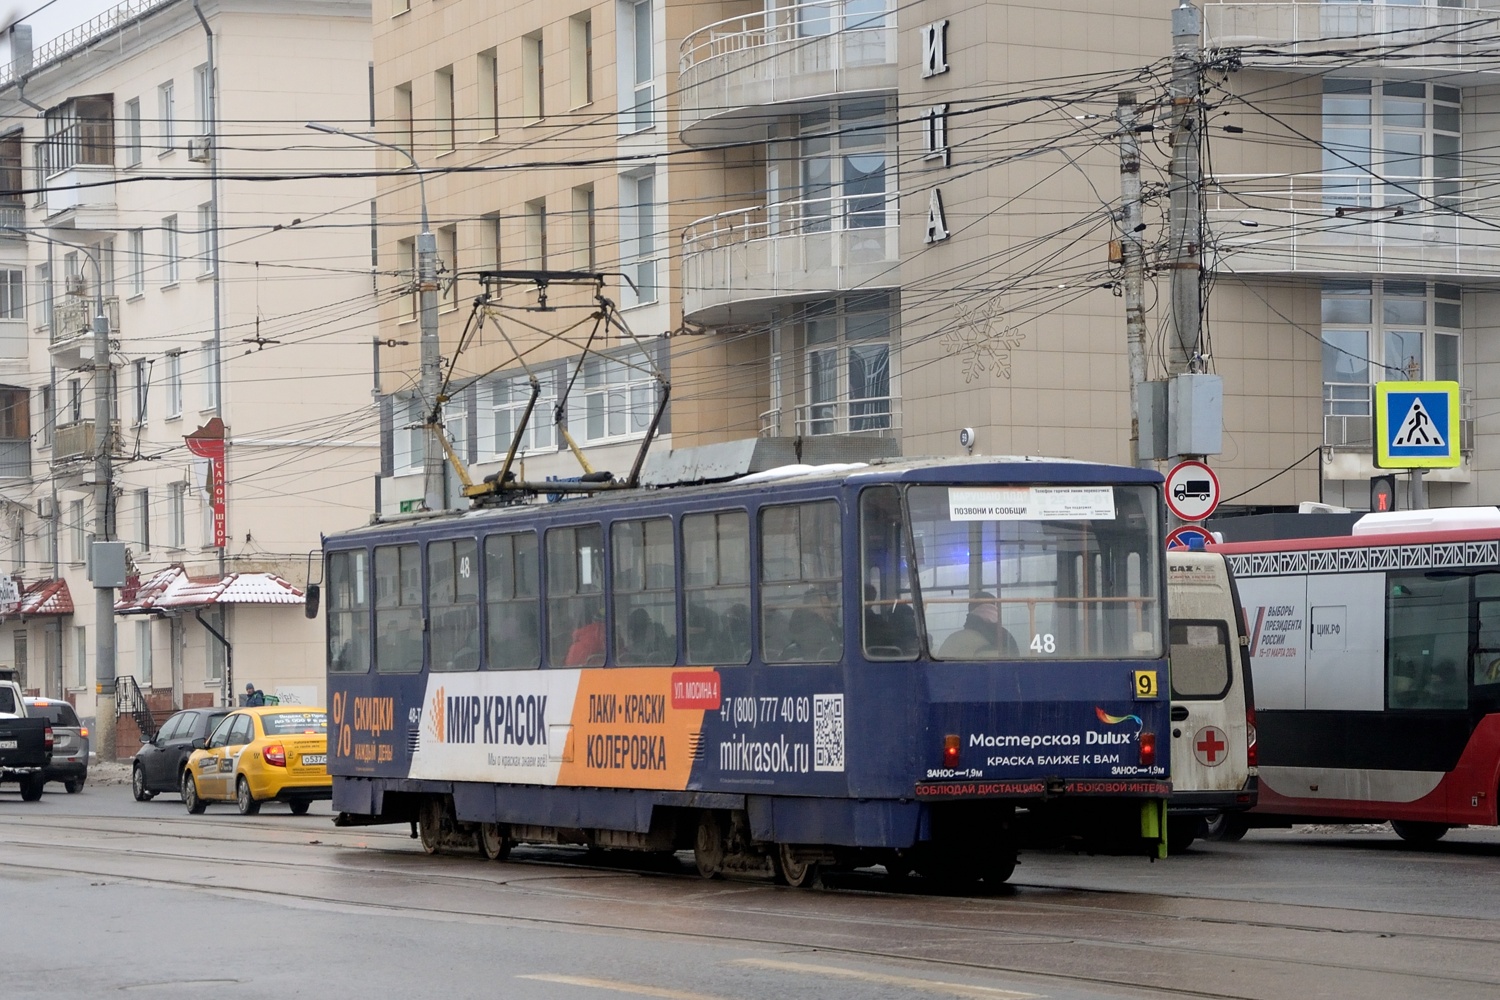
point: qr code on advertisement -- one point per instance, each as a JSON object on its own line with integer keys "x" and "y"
{"x": 828, "y": 732}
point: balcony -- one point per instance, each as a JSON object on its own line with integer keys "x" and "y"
{"x": 15, "y": 459}
{"x": 871, "y": 416}
{"x": 1340, "y": 224}
{"x": 71, "y": 334}
{"x": 737, "y": 266}
{"x": 79, "y": 164}
{"x": 738, "y": 73}
{"x": 75, "y": 442}
{"x": 1349, "y": 433}
{"x": 1311, "y": 33}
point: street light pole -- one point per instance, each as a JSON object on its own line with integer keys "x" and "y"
{"x": 104, "y": 522}
{"x": 431, "y": 360}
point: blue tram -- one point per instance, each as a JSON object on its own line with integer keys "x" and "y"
{"x": 911, "y": 663}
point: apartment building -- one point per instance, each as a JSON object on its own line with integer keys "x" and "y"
{"x": 155, "y": 171}
{"x": 868, "y": 226}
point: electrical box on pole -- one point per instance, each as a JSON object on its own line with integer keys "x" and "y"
{"x": 1195, "y": 403}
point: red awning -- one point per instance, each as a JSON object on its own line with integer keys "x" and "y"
{"x": 44, "y": 597}
{"x": 172, "y": 589}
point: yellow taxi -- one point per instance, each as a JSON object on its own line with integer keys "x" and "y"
{"x": 277, "y": 753}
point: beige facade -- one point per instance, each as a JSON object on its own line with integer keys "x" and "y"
{"x": 251, "y": 300}
{"x": 875, "y": 227}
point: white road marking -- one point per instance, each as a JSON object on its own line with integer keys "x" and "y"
{"x": 906, "y": 982}
{"x": 637, "y": 989}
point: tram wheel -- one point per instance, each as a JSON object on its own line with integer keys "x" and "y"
{"x": 493, "y": 843}
{"x": 792, "y": 871}
{"x": 708, "y": 845}
{"x": 430, "y": 824}
{"x": 1420, "y": 833}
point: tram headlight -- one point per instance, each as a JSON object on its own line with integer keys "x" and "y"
{"x": 1148, "y": 749}
{"x": 950, "y": 751}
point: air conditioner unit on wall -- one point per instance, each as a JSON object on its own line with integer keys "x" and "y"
{"x": 44, "y": 507}
{"x": 198, "y": 148}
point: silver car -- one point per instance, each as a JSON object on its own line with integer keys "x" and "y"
{"x": 70, "y": 742}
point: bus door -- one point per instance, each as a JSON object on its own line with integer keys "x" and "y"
{"x": 1210, "y": 687}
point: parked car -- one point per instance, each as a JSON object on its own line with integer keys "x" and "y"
{"x": 256, "y": 755}
{"x": 70, "y": 743}
{"x": 159, "y": 763}
{"x": 25, "y": 743}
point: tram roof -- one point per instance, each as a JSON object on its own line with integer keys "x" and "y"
{"x": 980, "y": 471}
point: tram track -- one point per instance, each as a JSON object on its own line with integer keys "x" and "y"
{"x": 794, "y": 920}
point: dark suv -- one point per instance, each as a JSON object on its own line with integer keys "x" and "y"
{"x": 70, "y": 742}
{"x": 159, "y": 762}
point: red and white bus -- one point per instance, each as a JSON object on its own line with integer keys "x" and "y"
{"x": 1377, "y": 671}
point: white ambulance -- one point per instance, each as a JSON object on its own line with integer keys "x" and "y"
{"x": 1214, "y": 777}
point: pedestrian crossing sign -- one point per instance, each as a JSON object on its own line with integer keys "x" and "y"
{"x": 1416, "y": 425}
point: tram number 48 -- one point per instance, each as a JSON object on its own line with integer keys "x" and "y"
{"x": 1044, "y": 643}
{"x": 1145, "y": 684}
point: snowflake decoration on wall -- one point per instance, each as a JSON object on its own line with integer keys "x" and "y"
{"x": 982, "y": 340}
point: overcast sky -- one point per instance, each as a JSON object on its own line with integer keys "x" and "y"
{"x": 52, "y": 21}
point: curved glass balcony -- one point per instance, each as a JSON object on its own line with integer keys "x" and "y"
{"x": 736, "y": 74}
{"x": 737, "y": 266}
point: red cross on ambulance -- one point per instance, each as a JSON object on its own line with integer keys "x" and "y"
{"x": 1210, "y": 746}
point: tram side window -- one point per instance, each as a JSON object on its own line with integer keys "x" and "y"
{"x": 801, "y": 578}
{"x": 889, "y": 618}
{"x": 1487, "y": 651}
{"x": 398, "y": 609}
{"x": 716, "y": 586}
{"x": 513, "y": 602}
{"x": 645, "y": 593}
{"x": 349, "y": 612}
{"x": 453, "y": 605}
{"x": 1200, "y": 659}
{"x": 575, "y": 596}
{"x": 1427, "y": 623}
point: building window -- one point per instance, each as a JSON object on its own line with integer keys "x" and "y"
{"x": 169, "y": 250}
{"x": 213, "y": 649}
{"x": 488, "y": 86}
{"x": 75, "y": 400}
{"x": 581, "y": 59}
{"x": 638, "y": 236}
{"x": 585, "y": 229}
{"x": 11, "y": 163}
{"x": 80, "y": 131}
{"x": 614, "y": 398}
{"x": 13, "y": 294}
{"x": 1392, "y": 331}
{"x": 166, "y": 107}
{"x": 447, "y": 241}
{"x": 176, "y": 515}
{"x": 77, "y": 536}
{"x": 405, "y": 127}
{"x": 49, "y": 413}
{"x": 206, "y": 238}
{"x": 133, "y": 132}
{"x": 15, "y": 432}
{"x": 636, "y": 57}
{"x": 445, "y": 132}
{"x": 407, "y": 437}
{"x": 174, "y": 385}
{"x": 136, "y": 251}
{"x": 141, "y": 369}
{"x": 843, "y": 175}
{"x": 406, "y": 273}
{"x": 503, "y": 403}
{"x": 18, "y": 540}
{"x": 1391, "y": 144}
{"x": 535, "y": 221}
{"x": 81, "y": 655}
{"x": 143, "y": 518}
{"x": 143, "y": 652}
{"x": 844, "y": 379}
{"x": 489, "y": 240}
{"x": 210, "y": 375}
{"x": 533, "y": 78}
{"x": 201, "y": 98}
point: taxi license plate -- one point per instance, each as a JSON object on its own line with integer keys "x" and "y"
{"x": 8, "y": 745}
{"x": 315, "y": 758}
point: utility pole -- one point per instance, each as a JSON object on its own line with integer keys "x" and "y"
{"x": 104, "y": 527}
{"x": 1133, "y": 258}
{"x": 434, "y": 477}
{"x": 1185, "y": 191}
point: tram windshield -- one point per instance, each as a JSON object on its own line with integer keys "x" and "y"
{"x": 1037, "y": 572}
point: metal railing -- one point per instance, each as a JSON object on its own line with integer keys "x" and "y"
{"x": 1456, "y": 37}
{"x": 131, "y": 700}
{"x": 853, "y": 213}
{"x": 76, "y": 440}
{"x": 87, "y": 143}
{"x": 1349, "y": 417}
{"x": 79, "y": 37}
{"x": 73, "y": 316}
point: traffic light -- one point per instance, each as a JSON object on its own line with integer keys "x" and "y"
{"x": 1382, "y": 494}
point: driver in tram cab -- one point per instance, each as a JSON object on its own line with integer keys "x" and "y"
{"x": 982, "y": 635}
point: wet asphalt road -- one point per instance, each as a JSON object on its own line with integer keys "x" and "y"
{"x": 142, "y": 899}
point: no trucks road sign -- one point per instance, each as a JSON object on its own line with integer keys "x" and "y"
{"x": 1192, "y": 490}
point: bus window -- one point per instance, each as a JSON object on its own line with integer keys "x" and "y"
{"x": 801, "y": 579}
{"x": 1200, "y": 659}
{"x": 349, "y": 612}
{"x": 398, "y": 609}
{"x": 453, "y": 605}
{"x": 645, "y": 593}
{"x": 513, "y": 602}
{"x": 889, "y": 621}
{"x": 1427, "y": 621}
{"x": 575, "y": 596}
{"x": 716, "y": 586}
{"x": 1038, "y": 572}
